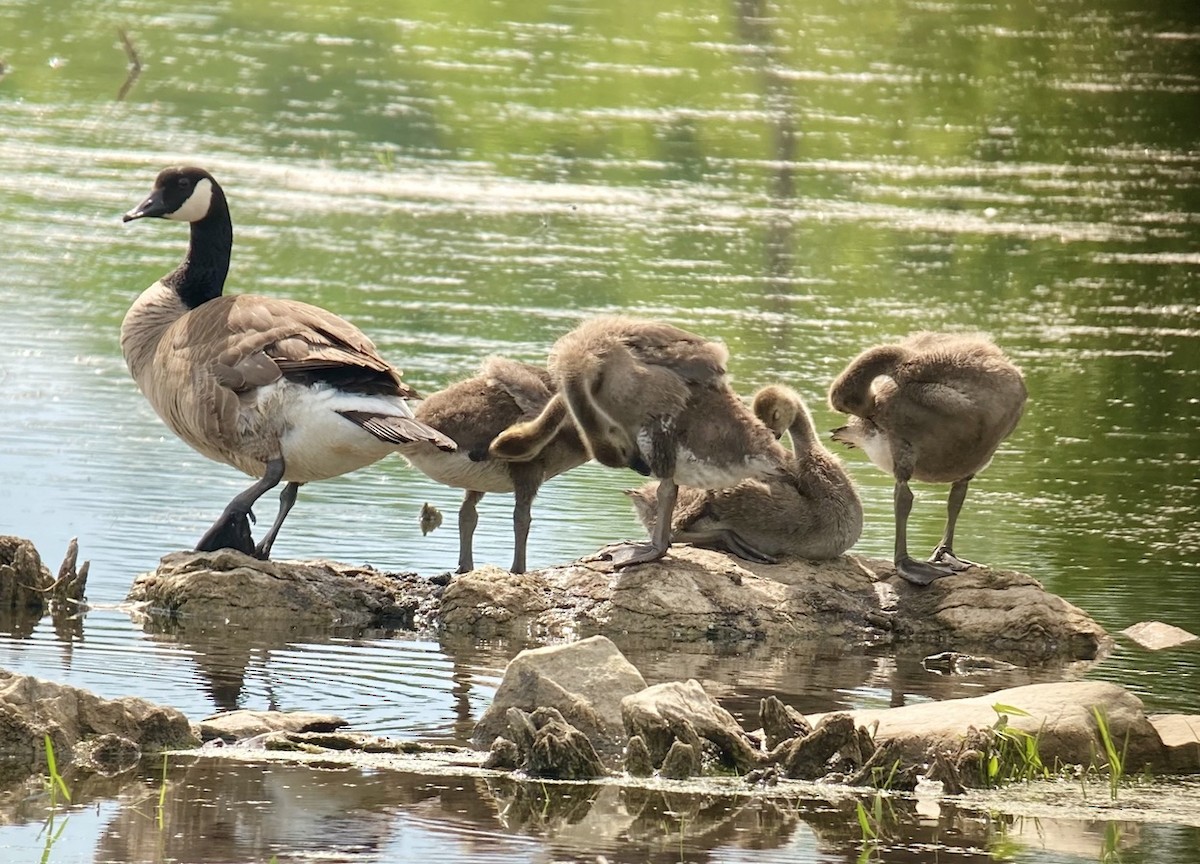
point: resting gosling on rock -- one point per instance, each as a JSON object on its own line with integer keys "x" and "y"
{"x": 651, "y": 397}
{"x": 809, "y": 510}
{"x": 933, "y": 408}
{"x": 279, "y": 389}
{"x": 472, "y": 413}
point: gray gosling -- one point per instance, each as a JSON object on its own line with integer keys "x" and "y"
{"x": 472, "y": 413}
{"x": 279, "y": 389}
{"x": 809, "y": 510}
{"x": 651, "y": 397}
{"x": 933, "y": 408}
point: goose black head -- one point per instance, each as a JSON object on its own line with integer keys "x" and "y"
{"x": 182, "y": 194}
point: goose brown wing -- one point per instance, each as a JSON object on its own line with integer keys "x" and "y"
{"x": 261, "y": 339}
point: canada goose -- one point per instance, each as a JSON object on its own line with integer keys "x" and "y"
{"x": 933, "y": 408}
{"x": 810, "y": 509}
{"x": 472, "y": 413}
{"x": 649, "y": 396}
{"x": 279, "y": 389}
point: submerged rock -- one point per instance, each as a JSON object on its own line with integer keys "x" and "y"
{"x": 1156, "y": 636}
{"x": 234, "y": 726}
{"x": 696, "y": 594}
{"x": 228, "y": 586}
{"x": 31, "y": 708}
{"x": 585, "y": 681}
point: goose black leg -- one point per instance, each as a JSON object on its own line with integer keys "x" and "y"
{"x": 232, "y": 528}
{"x": 287, "y": 499}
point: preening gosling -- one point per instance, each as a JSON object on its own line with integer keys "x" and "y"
{"x": 279, "y": 389}
{"x": 810, "y": 509}
{"x": 934, "y": 408}
{"x": 472, "y": 413}
{"x": 652, "y": 397}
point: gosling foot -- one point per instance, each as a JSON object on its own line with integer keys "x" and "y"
{"x": 921, "y": 572}
{"x": 945, "y": 555}
{"x": 628, "y": 554}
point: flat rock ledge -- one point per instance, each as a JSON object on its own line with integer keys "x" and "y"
{"x": 229, "y": 586}
{"x": 690, "y": 595}
{"x": 695, "y": 594}
{"x": 104, "y": 736}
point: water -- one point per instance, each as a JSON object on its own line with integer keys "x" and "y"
{"x": 801, "y": 180}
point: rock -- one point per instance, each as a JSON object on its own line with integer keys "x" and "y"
{"x": 503, "y": 755}
{"x": 238, "y": 725}
{"x": 637, "y": 758}
{"x": 228, "y": 586}
{"x": 780, "y": 722}
{"x": 694, "y": 594}
{"x": 806, "y": 758}
{"x": 550, "y": 747}
{"x": 1180, "y": 734}
{"x": 107, "y": 755}
{"x": 24, "y": 579}
{"x": 1155, "y": 635}
{"x": 585, "y": 681}
{"x": 682, "y": 761}
{"x": 664, "y": 713}
{"x": 31, "y": 708}
{"x": 1060, "y": 715}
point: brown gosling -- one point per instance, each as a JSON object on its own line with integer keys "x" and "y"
{"x": 279, "y": 389}
{"x": 933, "y": 408}
{"x": 652, "y": 397}
{"x": 472, "y": 413}
{"x": 809, "y": 510}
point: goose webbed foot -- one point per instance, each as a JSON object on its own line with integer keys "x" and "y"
{"x": 629, "y": 553}
{"x": 944, "y": 555}
{"x": 231, "y": 531}
{"x": 920, "y": 572}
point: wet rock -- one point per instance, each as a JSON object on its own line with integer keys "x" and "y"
{"x": 233, "y": 726}
{"x": 682, "y": 761}
{"x": 28, "y": 591}
{"x": 31, "y": 708}
{"x": 107, "y": 755}
{"x": 1180, "y": 734}
{"x": 637, "y": 758}
{"x": 1060, "y": 714}
{"x": 807, "y": 758}
{"x": 664, "y": 713}
{"x": 585, "y": 681}
{"x": 694, "y": 594}
{"x": 228, "y": 586}
{"x": 781, "y": 722}
{"x": 551, "y": 747}
{"x": 503, "y": 755}
{"x": 1157, "y": 636}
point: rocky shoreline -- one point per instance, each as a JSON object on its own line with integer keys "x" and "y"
{"x": 578, "y": 709}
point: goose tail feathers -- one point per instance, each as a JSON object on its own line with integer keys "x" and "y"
{"x": 395, "y": 429}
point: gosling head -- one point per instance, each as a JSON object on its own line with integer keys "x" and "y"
{"x": 777, "y": 407}
{"x": 181, "y": 194}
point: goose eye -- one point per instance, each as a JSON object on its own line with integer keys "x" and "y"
{"x": 184, "y": 182}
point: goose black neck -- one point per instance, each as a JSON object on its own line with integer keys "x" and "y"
{"x": 200, "y": 277}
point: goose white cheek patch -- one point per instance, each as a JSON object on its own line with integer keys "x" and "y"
{"x": 195, "y": 207}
